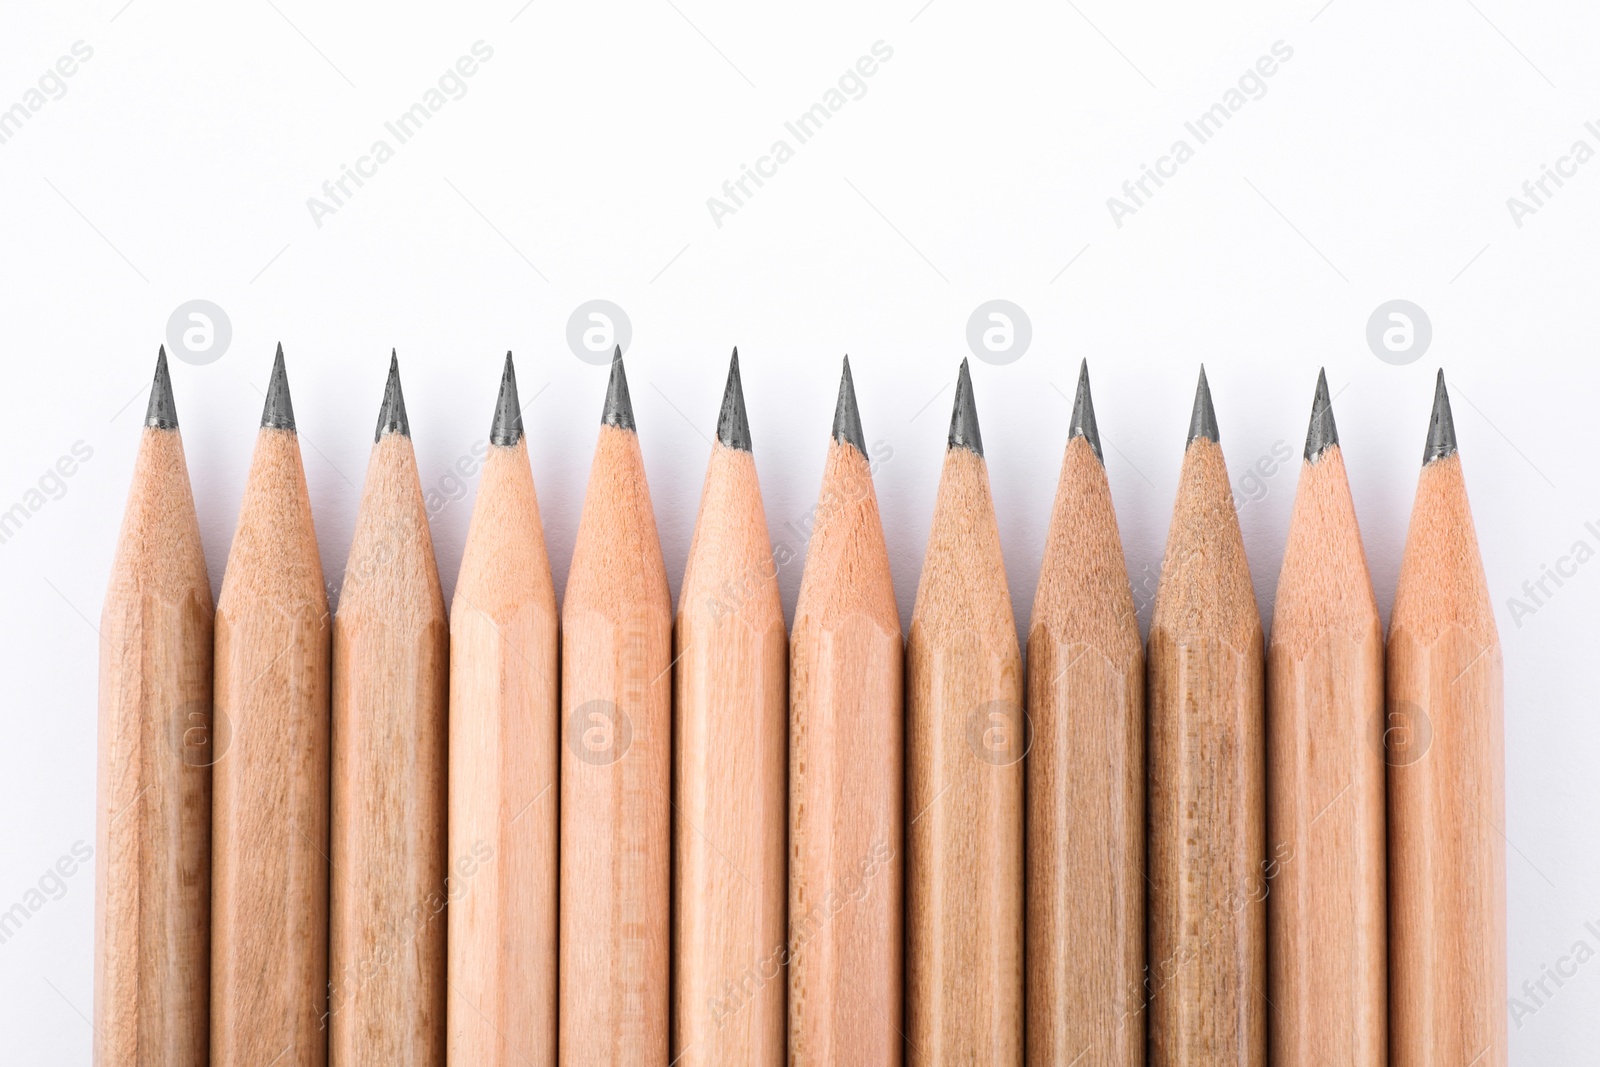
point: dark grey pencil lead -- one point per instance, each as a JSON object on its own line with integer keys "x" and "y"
{"x": 846, "y": 417}
{"x": 733, "y": 427}
{"x": 162, "y": 413}
{"x": 1203, "y": 421}
{"x": 506, "y": 430}
{"x": 964, "y": 416}
{"x": 1083, "y": 424}
{"x": 619, "y": 406}
{"x": 278, "y": 412}
{"x": 1322, "y": 434}
{"x": 1441, "y": 426}
{"x": 392, "y": 415}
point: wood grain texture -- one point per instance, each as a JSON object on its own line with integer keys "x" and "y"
{"x": 730, "y": 782}
{"x": 616, "y": 772}
{"x": 965, "y": 789}
{"x": 153, "y": 819}
{"x": 269, "y": 859}
{"x": 1206, "y": 806}
{"x": 387, "y": 923}
{"x": 1085, "y": 772}
{"x": 846, "y": 784}
{"x": 1325, "y": 787}
{"x": 504, "y": 760}
{"x": 1446, "y": 753}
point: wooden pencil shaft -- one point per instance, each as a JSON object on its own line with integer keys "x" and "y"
{"x": 968, "y": 735}
{"x": 616, "y": 772}
{"x": 504, "y": 764}
{"x": 731, "y": 738}
{"x": 1206, "y": 808}
{"x": 153, "y": 819}
{"x": 846, "y": 793}
{"x": 1085, "y": 781}
{"x": 269, "y": 902}
{"x": 1325, "y": 787}
{"x": 1446, "y": 754}
{"x": 387, "y": 901}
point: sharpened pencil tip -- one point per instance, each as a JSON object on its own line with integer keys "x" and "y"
{"x": 278, "y": 412}
{"x": 506, "y": 430}
{"x": 162, "y": 413}
{"x": 964, "y": 416}
{"x": 619, "y": 406}
{"x": 1322, "y": 434}
{"x": 1203, "y": 421}
{"x": 846, "y": 417}
{"x": 1441, "y": 426}
{"x": 1083, "y": 424}
{"x": 392, "y": 415}
{"x": 733, "y": 427}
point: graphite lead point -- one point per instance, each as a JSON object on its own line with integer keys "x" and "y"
{"x": 733, "y": 427}
{"x": 392, "y": 415}
{"x": 162, "y": 413}
{"x": 506, "y": 430}
{"x": 278, "y": 412}
{"x": 964, "y": 416}
{"x": 846, "y": 417}
{"x": 1441, "y": 426}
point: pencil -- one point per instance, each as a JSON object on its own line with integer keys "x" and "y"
{"x": 1325, "y": 777}
{"x": 1085, "y": 777}
{"x": 846, "y": 760}
{"x": 501, "y": 879}
{"x": 1446, "y": 755}
{"x": 1207, "y": 919}
{"x": 269, "y": 866}
{"x": 153, "y": 819}
{"x": 968, "y": 735}
{"x": 616, "y": 762}
{"x": 387, "y": 925}
{"x": 730, "y": 775}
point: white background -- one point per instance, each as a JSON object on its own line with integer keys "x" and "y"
{"x": 178, "y": 163}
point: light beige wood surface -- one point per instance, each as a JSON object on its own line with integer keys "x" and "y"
{"x": 153, "y": 819}
{"x": 730, "y": 782}
{"x": 504, "y": 819}
{"x": 1446, "y": 753}
{"x": 846, "y": 784}
{"x": 1325, "y": 787}
{"x": 387, "y": 924}
{"x": 616, "y": 772}
{"x": 964, "y": 782}
{"x": 1206, "y": 856}
{"x": 269, "y": 859}
{"x": 1085, "y": 777}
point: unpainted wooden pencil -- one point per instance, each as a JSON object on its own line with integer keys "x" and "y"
{"x": 846, "y": 774}
{"x": 1206, "y": 807}
{"x": 731, "y": 741}
{"x": 967, "y": 738}
{"x": 269, "y": 858}
{"x": 156, "y": 747}
{"x": 504, "y": 759}
{"x": 1445, "y": 734}
{"x": 386, "y": 983}
{"x": 1325, "y": 777}
{"x": 1085, "y": 973}
{"x": 616, "y": 762}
